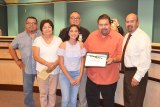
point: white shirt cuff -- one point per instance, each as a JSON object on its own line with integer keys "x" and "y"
{"x": 137, "y": 77}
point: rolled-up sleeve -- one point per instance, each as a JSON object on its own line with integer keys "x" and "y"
{"x": 14, "y": 43}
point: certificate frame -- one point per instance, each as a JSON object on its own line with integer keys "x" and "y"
{"x": 96, "y": 59}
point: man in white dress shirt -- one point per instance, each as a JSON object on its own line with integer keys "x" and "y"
{"x": 136, "y": 60}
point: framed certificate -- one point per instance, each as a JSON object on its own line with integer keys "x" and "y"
{"x": 96, "y": 59}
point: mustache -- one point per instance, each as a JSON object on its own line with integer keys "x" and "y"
{"x": 129, "y": 26}
{"x": 104, "y": 29}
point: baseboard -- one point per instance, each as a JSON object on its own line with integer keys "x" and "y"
{"x": 9, "y": 87}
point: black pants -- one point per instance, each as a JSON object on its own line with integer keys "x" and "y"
{"x": 93, "y": 94}
{"x": 134, "y": 96}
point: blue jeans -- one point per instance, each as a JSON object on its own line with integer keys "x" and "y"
{"x": 69, "y": 92}
{"x": 28, "y": 81}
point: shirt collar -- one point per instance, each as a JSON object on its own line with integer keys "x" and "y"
{"x": 134, "y": 33}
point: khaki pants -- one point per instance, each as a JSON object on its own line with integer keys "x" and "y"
{"x": 47, "y": 90}
{"x": 82, "y": 91}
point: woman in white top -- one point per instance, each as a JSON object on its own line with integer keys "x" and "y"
{"x": 71, "y": 58}
{"x": 44, "y": 51}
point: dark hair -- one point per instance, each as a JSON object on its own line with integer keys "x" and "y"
{"x": 111, "y": 21}
{"x": 46, "y": 21}
{"x": 67, "y": 33}
{"x": 104, "y": 16}
{"x": 31, "y": 17}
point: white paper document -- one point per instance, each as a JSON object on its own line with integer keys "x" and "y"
{"x": 43, "y": 74}
{"x": 96, "y": 59}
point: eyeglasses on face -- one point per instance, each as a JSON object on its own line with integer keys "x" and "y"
{"x": 31, "y": 24}
{"x": 75, "y": 18}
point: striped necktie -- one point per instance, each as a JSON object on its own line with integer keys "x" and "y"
{"x": 123, "y": 53}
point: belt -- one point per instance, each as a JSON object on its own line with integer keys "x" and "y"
{"x": 130, "y": 68}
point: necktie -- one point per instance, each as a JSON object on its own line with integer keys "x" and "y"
{"x": 123, "y": 53}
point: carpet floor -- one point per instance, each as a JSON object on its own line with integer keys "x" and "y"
{"x": 15, "y": 99}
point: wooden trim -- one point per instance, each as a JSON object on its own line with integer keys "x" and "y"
{"x": 155, "y": 61}
{"x": 154, "y": 79}
{"x": 153, "y": 51}
{"x": 48, "y": 2}
{"x": 9, "y": 87}
{"x": 31, "y": 3}
{"x": 156, "y": 47}
{"x": 7, "y": 37}
{"x": 3, "y": 47}
{"x": 6, "y": 40}
{"x": 8, "y": 59}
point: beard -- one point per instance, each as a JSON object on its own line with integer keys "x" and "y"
{"x": 129, "y": 28}
{"x": 32, "y": 30}
{"x": 104, "y": 32}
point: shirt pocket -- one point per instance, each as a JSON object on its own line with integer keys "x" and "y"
{"x": 131, "y": 51}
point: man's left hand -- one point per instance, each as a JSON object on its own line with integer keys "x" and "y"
{"x": 134, "y": 82}
{"x": 110, "y": 60}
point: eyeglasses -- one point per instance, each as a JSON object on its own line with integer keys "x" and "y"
{"x": 31, "y": 24}
{"x": 75, "y": 18}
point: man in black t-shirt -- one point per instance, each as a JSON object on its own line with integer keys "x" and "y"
{"x": 75, "y": 19}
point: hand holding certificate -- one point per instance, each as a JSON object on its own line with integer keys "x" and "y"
{"x": 43, "y": 74}
{"x": 96, "y": 59}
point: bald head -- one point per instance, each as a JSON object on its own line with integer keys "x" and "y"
{"x": 132, "y": 16}
{"x": 132, "y": 22}
{"x": 75, "y": 18}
